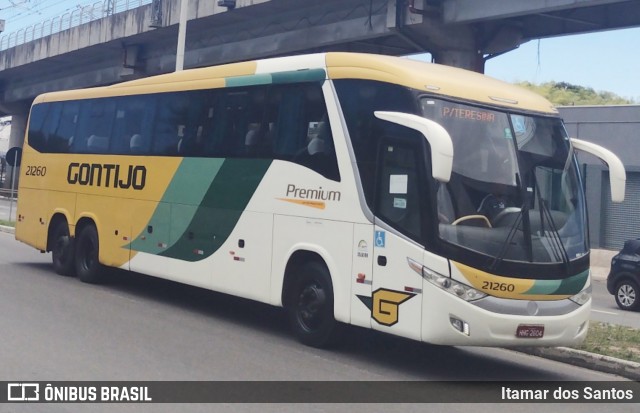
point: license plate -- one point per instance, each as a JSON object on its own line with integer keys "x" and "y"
{"x": 529, "y": 331}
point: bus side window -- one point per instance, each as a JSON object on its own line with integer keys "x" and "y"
{"x": 398, "y": 190}
{"x": 196, "y": 137}
{"x": 133, "y": 125}
{"x": 63, "y": 126}
{"x": 302, "y": 131}
{"x": 256, "y": 141}
{"x": 94, "y": 129}
{"x": 177, "y": 123}
{"x": 170, "y": 123}
{"x": 37, "y": 134}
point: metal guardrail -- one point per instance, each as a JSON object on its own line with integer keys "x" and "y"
{"x": 6, "y": 193}
{"x": 68, "y": 20}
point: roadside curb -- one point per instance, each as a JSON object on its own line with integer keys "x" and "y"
{"x": 591, "y": 361}
{"x": 10, "y": 230}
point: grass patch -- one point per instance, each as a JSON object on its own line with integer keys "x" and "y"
{"x": 7, "y": 223}
{"x": 613, "y": 340}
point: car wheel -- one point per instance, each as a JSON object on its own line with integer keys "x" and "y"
{"x": 627, "y": 295}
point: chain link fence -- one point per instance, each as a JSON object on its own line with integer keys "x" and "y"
{"x": 74, "y": 18}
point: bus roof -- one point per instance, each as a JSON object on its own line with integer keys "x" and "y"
{"x": 430, "y": 77}
{"x": 436, "y": 79}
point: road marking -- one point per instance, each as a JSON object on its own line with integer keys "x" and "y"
{"x": 603, "y": 312}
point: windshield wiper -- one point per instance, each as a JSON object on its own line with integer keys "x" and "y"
{"x": 523, "y": 216}
{"x": 556, "y": 243}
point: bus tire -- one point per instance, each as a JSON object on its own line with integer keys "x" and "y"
{"x": 88, "y": 267}
{"x": 62, "y": 250}
{"x": 310, "y": 306}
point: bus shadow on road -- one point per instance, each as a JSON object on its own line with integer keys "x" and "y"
{"x": 372, "y": 347}
{"x": 418, "y": 360}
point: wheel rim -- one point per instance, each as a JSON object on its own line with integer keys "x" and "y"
{"x": 89, "y": 254}
{"x": 626, "y": 295}
{"x": 60, "y": 248}
{"x": 311, "y": 303}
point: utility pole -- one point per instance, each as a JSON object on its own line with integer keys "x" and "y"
{"x": 110, "y": 7}
{"x": 182, "y": 34}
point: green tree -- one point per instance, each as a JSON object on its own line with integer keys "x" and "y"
{"x": 567, "y": 94}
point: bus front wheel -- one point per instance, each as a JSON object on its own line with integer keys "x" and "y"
{"x": 62, "y": 250}
{"x": 310, "y": 306}
{"x": 88, "y": 266}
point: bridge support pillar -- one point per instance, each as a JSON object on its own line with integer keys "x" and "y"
{"x": 465, "y": 59}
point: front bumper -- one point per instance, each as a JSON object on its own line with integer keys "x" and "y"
{"x": 490, "y": 328}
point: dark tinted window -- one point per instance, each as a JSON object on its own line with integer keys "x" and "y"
{"x": 93, "y": 133}
{"x": 301, "y": 132}
{"x": 177, "y": 120}
{"x": 37, "y": 137}
{"x": 400, "y": 187}
{"x": 52, "y": 126}
{"x": 287, "y": 122}
{"x": 63, "y": 126}
{"x": 359, "y": 99}
{"x": 133, "y": 124}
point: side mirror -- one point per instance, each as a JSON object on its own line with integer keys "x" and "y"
{"x": 617, "y": 175}
{"x": 435, "y": 134}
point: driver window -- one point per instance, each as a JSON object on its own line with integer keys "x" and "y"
{"x": 398, "y": 194}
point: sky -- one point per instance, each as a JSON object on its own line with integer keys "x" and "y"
{"x": 605, "y": 61}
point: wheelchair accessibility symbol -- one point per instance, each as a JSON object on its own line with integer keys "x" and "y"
{"x": 379, "y": 239}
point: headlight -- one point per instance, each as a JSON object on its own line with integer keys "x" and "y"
{"x": 446, "y": 283}
{"x": 582, "y": 297}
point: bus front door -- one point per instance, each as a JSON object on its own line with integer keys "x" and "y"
{"x": 397, "y": 289}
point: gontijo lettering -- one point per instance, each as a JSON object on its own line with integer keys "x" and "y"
{"x": 107, "y": 175}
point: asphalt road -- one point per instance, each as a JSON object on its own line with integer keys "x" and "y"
{"x": 141, "y": 328}
{"x": 6, "y": 207}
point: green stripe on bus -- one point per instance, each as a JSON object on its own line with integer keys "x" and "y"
{"x": 294, "y": 76}
{"x": 250, "y": 80}
{"x": 178, "y": 205}
{"x": 191, "y": 180}
{"x": 573, "y": 285}
{"x": 218, "y": 213}
{"x": 544, "y": 287}
{"x": 310, "y": 75}
{"x": 569, "y": 286}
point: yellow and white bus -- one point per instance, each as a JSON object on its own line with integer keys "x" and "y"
{"x": 416, "y": 199}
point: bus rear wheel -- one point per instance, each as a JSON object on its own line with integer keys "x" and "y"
{"x": 62, "y": 250}
{"x": 88, "y": 267}
{"x": 310, "y": 306}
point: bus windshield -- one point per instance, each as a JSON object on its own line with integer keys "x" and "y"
{"x": 514, "y": 193}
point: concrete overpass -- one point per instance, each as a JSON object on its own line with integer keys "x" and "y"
{"x": 142, "y": 41}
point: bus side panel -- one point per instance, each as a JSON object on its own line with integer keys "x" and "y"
{"x": 151, "y": 236}
{"x": 239, "y": 266}
{"x": 112, "y": 217}
{"x": 331, "y": 240}
{"x": 242, "y": 265}
{"x": 29, "y": 229}
{"x": 37, "y": 208}
{"x": 361, "y": 274}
